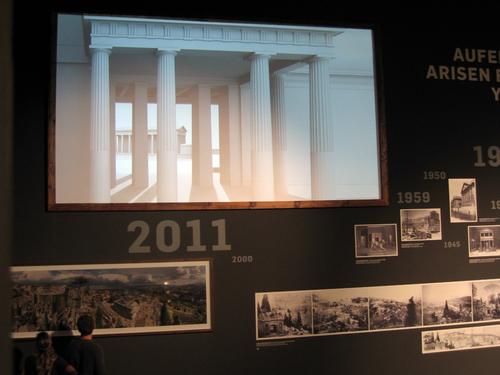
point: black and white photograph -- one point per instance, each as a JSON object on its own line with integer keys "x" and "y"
{"x": 484, "y": 240}
{"x": 122, "y": 298}
{"x": 462, "y": 199}
{"x": 486, "y": 300}
{"x": 461, "y": 339}
{"x": 447, "y": 303}
{"x": 340, "y": 310}
{"x": 283, "y": 314}
{"x": 447, "y": 340}
{"x": 485, "y": 336}
{"x": 137, "y": 122}
{"x": 421, "y": 224}
{"x": 375, "y": 240}
{"x": 395, "y": 306}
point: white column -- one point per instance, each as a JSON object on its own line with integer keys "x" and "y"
{"x": 230, "y": 136}
{"x": 321, "y": 129}
{"x": 112, "y": 136}
{"x": 246, "y": 135}
{"x": 202, "y": 137}
{"x": 100, "y": 183}
{"x": 262, "y": 144}
{"x": 234, "y": 135}
{"x": 140, "y": 176}
{"x": 279, "y": 133}
{"x": 167, "y": 136}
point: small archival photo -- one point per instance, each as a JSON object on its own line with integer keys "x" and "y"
{"x": 463, "y": 200}
{"x": 447, "y": 303}
{"x": 447, "y": 340}
{"x": 340, "y": 310}
{"x": 375, "y": 240}
{"x": 283, "y": 314}
{"x": 422, "y": 224}
{"x": 395, "y": 306}
{"x": 484, "y": 240}
{"x": 486, "y": 300}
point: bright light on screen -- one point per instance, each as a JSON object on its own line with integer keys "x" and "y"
{"x": 151, "y": 110}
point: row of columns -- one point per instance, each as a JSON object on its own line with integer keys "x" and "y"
{"x": 268, "y": 131}
{"x": 123, "y": 141}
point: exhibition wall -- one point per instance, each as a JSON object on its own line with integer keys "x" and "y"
{"x": 5, "y": 175}
{"x": 402, "y": 288}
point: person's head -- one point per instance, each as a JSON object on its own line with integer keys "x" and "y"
{"x": 85, "y": 325}
{"x": 42, "y": 342}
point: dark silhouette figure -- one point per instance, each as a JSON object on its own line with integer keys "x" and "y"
{"x": 46, "y": 361}
{"x": 83, "y": 353}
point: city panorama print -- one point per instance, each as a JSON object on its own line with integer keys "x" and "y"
{"x": 122, "y": 298}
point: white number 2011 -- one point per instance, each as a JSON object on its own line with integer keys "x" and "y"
{"x": 168, "y": 236}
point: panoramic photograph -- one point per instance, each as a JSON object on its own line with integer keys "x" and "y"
{"x": 340, "y": 310}
{"x": 122, "y": 298}
{"x": 485, "y": 336}
{"x": 395, "y": 306}
{"x": 446, "y": 303}
{"x": 282, "y": 314}
{"x": 460, "y": 339}
{"x": 446, "y": 340}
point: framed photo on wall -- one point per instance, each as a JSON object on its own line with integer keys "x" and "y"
{"x": 375, "y": 240}
{"x": 153, "y": 114}
{"x": 124, "y": 298}
{"x": 483, "y": 240}
{"x": 420, "y": 224}
{"x": 462, "y": 199}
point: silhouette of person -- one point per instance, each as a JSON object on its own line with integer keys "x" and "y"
{"x": 83, "y": 353}
{"x": 46, "y": 361}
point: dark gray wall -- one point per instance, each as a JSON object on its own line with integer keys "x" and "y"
{"x": 431, "y": 126}
{"x": 5, "y": 179}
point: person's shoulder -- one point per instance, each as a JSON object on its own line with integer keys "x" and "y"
{"x": 90, "y": 344}
{"x": 95, "y": 345}
{"x": 76, "y": 342}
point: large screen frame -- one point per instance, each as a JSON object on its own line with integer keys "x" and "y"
{"x": 55, "y": 204}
